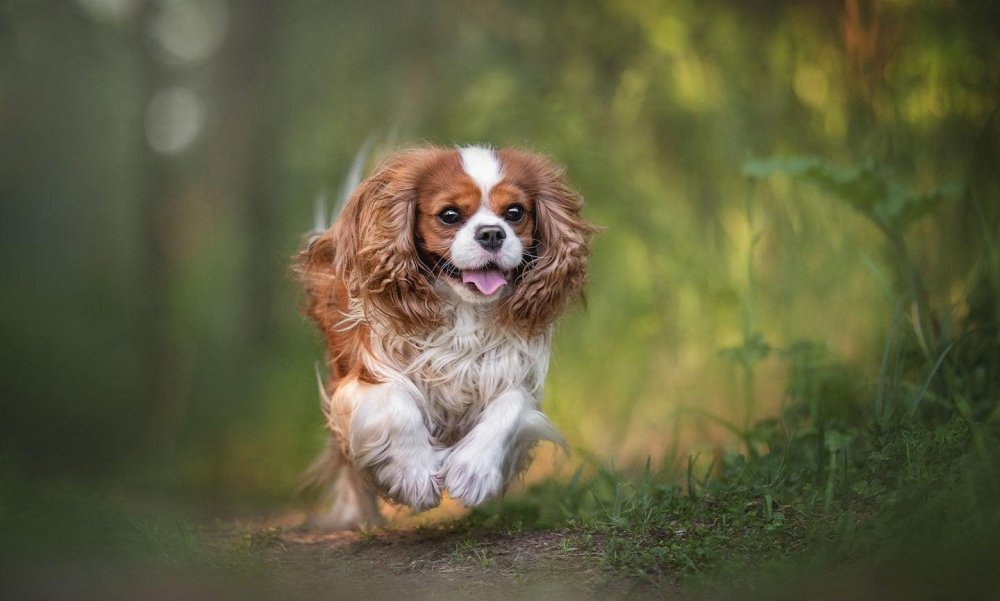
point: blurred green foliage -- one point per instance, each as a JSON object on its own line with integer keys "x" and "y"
{"x": 159, "y": 160}
{"x": 843, "y": 494}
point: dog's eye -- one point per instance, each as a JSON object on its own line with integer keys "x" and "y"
{"x": 514, "y": 213}
{"x": 451, "y": 216}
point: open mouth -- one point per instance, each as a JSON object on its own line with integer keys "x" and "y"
{"x": 485, "y": 280}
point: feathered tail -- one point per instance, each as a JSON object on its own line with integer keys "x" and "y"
{"x": 335, "y": 494}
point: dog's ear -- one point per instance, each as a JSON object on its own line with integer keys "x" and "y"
{"x": 555, "y": 275}
{"x": 374, "y": 246}
{"x": 314, "y": 267}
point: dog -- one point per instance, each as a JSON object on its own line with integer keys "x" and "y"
{"x": 436, "y": 290}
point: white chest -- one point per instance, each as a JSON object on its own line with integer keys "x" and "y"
{"x": 459, "y": 369}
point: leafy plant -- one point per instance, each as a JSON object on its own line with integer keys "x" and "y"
{"x": 888, "y": 204}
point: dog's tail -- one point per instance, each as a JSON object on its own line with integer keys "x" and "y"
{"x": 336, "y": 496}
{"x": 322, "y": 220}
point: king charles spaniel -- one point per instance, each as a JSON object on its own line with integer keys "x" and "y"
{"x": 436, "y": 290}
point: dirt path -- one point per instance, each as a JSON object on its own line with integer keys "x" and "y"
{"x": 441, "y": 564}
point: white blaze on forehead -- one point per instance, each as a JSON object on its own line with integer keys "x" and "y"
{"x": 482, "y": 165}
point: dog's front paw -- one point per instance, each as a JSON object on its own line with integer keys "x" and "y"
{"x": 472, "y": 476}
{"x": 410, "y": 477}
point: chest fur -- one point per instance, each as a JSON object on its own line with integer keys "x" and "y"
{"x": 459, "y": 368}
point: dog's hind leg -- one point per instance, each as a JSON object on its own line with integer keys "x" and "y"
{"x": 340, "y": 499}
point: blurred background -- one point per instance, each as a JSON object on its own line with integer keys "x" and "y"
{"x": 159, "y": 161}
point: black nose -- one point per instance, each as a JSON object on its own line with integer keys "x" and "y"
{"x": 490, "y": 237}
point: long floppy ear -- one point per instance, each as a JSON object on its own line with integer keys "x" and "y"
{"x": 371, "y": 248}
{"x": 555, "y": 276}
{"x": 313, "y": 265}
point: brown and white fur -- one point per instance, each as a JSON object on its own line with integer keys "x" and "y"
{"x": 436, "y": 290}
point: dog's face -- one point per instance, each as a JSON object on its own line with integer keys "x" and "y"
{"x": 434, "y": 225}
{"x": 475, "y": 226}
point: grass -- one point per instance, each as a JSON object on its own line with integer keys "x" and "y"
{"x": 469, "y": 551}
{"x": 880, "y": 491}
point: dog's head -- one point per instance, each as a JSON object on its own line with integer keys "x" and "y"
{"x": 500, "y": 229}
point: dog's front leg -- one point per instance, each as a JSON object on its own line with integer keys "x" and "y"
{"x": 478, "y": 467}
{"x": 388, "y": 439}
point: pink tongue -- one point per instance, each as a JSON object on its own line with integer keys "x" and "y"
{"x": 487, "y": 281}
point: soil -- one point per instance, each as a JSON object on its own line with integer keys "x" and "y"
{"x": 255, "y": 559}
{"x": 428, "y": 563}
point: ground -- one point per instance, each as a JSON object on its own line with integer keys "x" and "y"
{"x": 442, "y": 562}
